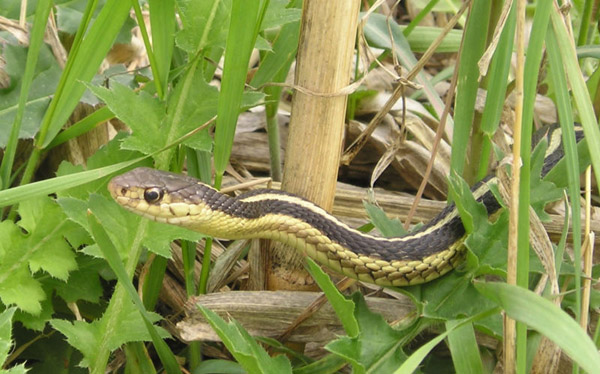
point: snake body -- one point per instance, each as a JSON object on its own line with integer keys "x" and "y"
{"x": 423, "y": 255}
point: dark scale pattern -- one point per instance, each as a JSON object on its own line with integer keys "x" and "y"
{"x": 414, "y": 249}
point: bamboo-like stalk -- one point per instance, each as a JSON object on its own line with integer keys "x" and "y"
{"x": 323, "y": 68}
{"x": 510, "y": 331}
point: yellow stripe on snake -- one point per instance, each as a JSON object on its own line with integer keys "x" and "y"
{"x": 424, "y": 255}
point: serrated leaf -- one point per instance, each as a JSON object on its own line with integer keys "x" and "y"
{"x": 41, "y": 247}
{"x": 86, "y": 336}
{"x": 142, "y": 112}
{"x": 119, "y": 223}
{"x": 19, "y": 369}
{"x": 37, "y": 322}
{"x": 46, "y": 225}
{"x": 160, "y": 235}
{"x": 84, "y": 283}
{"x": 5, "y": 333}
{"x": 376, "y": 349}
{"x": 244, "y": 348}
{"x": 189, "y": 107}
{"x": 205, "y": 24}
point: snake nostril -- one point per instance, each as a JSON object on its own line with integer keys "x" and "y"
{"x": 123, "y": 191}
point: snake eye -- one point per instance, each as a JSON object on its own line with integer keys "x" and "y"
{"x": 153, "y": 195}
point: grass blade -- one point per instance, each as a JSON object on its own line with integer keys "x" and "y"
{"x": 36, "y": 39}
{"x": 464, "y": 348}
{"x": 466, "y": 89}
{"x": 246, "y": 18}
{"x": 546, "y": 318}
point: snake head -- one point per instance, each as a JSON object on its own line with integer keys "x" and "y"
{"x": 163, "y": 196}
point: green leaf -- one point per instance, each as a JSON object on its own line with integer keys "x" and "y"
{"x": 49, "y": 353}
{"x": 328, "y": 364}
{"x": 53, "y": 185}
{"x": 388, "y": 227}
{"x": 6, "y": 333}
{"x": 475, "y": 38}
{"x": 205, "y": 24}
{"x": 69, "y": 15}
{"x": 84, "y": 283}
{"x": 219, "y": 367}
{"x": 85, "y": 336}
{"x": 85, "y": 57}
{"x": 377, "y": 33}
{"x": 543, "y": 316}
{"x": 119, "y": 223}
{"x": 36, "y": 243}
{"x": 344, "y": 308}
{"x": 190, "y": 106}
{"x": 411, "y": 364}
{"x": 464, "y": 348}
{"x": 142, "y": 112}
{"x": 244, "y": 348}
{"x": 41, "y": 90}
{"x": 376, "y": 348}
{"x": 450, "y": 297}
{"x": 246, "y": 18}
{"x": 418, "y": 40}
{"x": 278, "y": 14}
{"x": 45, "y": 224}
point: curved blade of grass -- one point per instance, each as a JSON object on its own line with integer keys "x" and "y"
{"x": 114, "y": 260}
{"x": 81, "y": 127}
{"x": 579, "y": 89}
{"x": 82, "y": 66}
{"x": 546, "y": 318}
{"x": 48, "y": 186}
{"x": 496, "y": 90}
{"x": 464, "y": 348}
{"x": 412, "y": 363}
{"x": 162, "y": 22}
{"x": 565, "y": 114}
{"x": 36, "y": 38}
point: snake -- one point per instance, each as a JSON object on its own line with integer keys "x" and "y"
{"x": 421, "y": 256}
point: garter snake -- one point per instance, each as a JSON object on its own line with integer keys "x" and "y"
{"x": 426, "y": 254}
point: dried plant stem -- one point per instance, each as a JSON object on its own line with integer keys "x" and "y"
{"x": 510, "y": 333}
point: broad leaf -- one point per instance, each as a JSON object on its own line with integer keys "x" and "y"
{"x": 86, "y": 336}
{"x": 35, "y": 244}
{"x": 377, "y": 347}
